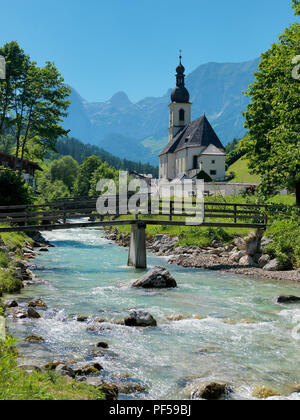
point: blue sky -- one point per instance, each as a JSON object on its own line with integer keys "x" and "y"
{"x": 102, "y": 47}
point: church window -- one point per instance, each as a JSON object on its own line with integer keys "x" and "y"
{"x": 195, "y": 162}
{"x": 213, "y": 162}
{"x": 181, "y": 115}
{"x": 213, "y": 172}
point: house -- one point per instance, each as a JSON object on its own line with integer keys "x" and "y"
{"x": 193, "y": 150}
{"x": 16, "y": 164}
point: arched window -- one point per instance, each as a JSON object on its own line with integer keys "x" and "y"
{"x": 181, "y": 115}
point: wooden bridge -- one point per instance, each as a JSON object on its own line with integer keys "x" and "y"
{"x": 66, "y": 214}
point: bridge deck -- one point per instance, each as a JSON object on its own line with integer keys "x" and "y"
{"x": 40, "y": 228}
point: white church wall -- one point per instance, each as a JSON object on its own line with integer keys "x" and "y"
{"x": 213, "y": 165}
{"x": 192, "y": 151}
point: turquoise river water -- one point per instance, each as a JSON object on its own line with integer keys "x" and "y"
{"x": 244, "y": 337}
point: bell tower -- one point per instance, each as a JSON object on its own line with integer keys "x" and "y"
{"x": 180, "y": 106}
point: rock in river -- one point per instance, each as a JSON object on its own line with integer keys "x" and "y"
{"x": 11, "y": 304}
{"x": 37, "y": 303}
{"x": 273, "y": 265}
{"x": 64, "y": 370}
{"x": 211, "y": 391}
{"x": 102, "y": 344}
{"x": 157, "y": 277}
{"x": 140, "y": 319}
{"x": 89, "y": 369}
{"x": 32, "y": 313}
{"x": 288, "y": 299}
{"x": 34, "y": 338}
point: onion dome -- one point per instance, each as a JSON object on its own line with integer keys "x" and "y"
{"x": 180, "y": 94}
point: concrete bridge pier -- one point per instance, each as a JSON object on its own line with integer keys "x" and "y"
{"x": 137, "y": 250}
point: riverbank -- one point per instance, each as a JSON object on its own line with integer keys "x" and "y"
{"x": 224, "y": 257}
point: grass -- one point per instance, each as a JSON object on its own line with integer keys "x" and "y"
{"x": 15, "y": 384}
{"x": 4, "y": 259}
{"x": 8, "y": 282}
{"x": 242, "y": 174}
{"x": 15, "y": 241}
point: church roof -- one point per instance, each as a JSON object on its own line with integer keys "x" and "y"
{"x": 212, "y": 150}
{"x": 198, "y": 133}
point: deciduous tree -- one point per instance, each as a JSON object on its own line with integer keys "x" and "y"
{"x": 273, "y": 116}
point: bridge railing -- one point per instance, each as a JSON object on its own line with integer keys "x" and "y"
{"x": 172, "y": 211}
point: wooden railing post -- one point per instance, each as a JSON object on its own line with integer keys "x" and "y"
{"x": 64, "y": 213}
{"x": 26, "y": 216}
{"x": 235, "y": 213}
{"x": 171, "y": 210}
{"x": 266, "y": 216}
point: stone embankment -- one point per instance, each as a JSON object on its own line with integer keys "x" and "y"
{"x": 246, "y": 256}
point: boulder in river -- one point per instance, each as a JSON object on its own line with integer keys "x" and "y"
{"x": 211, "y": 391}
{"x": 157, "y": 277}
{"x": 102, "y": 344}
{"x": 273, "y": 265}
{"x": 89, "y": 369}
{"x": 264, "y": 260}
{"x": 130, "y": 388}
{"x": 288, "y": 299}
{"x": 110, "y": 391}
{"x": 140, "y": 319}
{"x": 52, "y": 365}
{"x": 34, "y": 338}
{"x": 32, "y": 313}
{"x": 20, "y": 314}
{"x": 247, "y": 261}
{"x": 43, "y": 250}
{"x": 263, "y": 392}
{"x": 81, "y": 318}
{"x": 11, "y": 304}
{"x": 65, "y": 370}
{"x": 37, "y": 303}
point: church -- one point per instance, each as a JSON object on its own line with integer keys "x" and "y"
{"x": 194, "y": 151}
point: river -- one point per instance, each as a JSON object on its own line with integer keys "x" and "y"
{"x": 244, "y": 337}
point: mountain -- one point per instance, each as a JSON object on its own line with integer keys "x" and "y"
{"x": 137, "y": 131}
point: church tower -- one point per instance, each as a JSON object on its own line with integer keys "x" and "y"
{"x": 180, "y": 107}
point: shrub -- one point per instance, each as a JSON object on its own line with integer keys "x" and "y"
{"x": 13, "y": 189}
{"x": 286, "y": 242}
{"x": 203, "y": 237}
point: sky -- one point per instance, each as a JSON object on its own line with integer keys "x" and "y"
{"x": 102, "y": 47}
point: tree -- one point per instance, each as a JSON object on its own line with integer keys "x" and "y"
{"x": 66, "y": 170}
{"x": 83, "y": 181}
{"x": 296, "y": 6}
{"x": 44, "y": 104}
{"x": 17, "y": 64}
{"x": 273, "y": 116}
{"x": 102, "y": 172}
{"x": 32, "y": 102}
